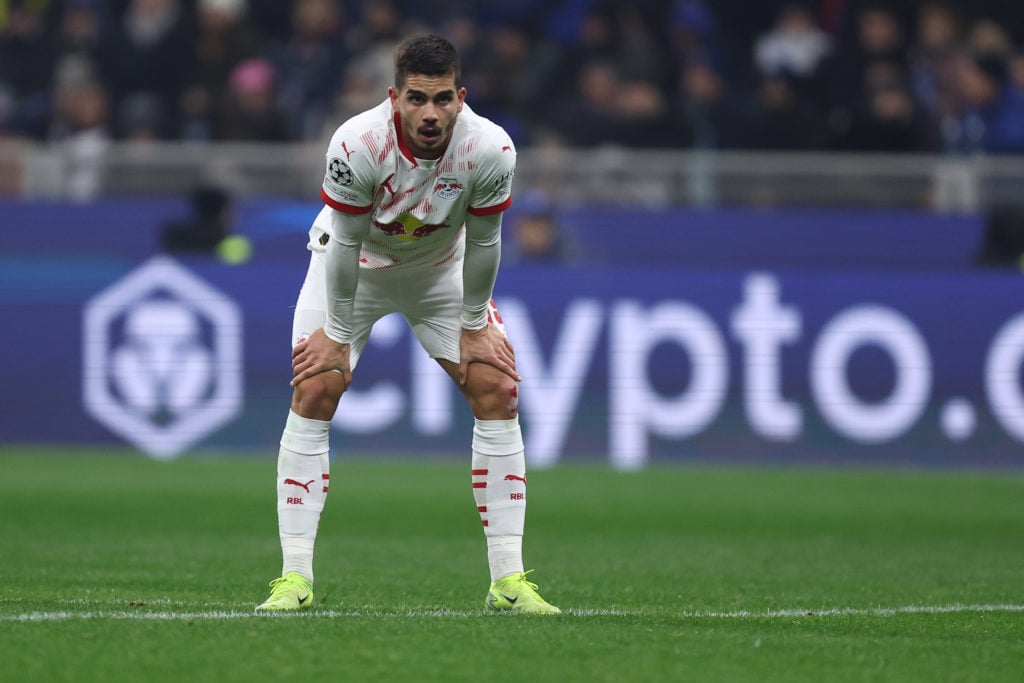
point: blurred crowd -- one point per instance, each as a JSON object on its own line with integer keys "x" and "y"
{"x": 904, "y": 75}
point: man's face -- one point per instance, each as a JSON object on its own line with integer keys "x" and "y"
{"x": 428, "y": 106}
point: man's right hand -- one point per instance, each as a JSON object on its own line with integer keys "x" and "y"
{"x": 319, "y": 354}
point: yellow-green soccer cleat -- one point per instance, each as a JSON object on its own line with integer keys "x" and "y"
{"x": 290, "y": 593}
{"x": 515, "y": 594}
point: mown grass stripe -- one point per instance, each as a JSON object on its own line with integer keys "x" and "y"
{"x": 854, "y": 611}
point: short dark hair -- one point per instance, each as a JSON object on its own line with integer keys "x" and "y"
{"x": 428, "y": 55}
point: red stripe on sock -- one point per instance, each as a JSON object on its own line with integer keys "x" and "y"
{"x": 326, "y": 476}
{"x": 481, "y": 508}
{"x": 479, "y": 484}
{"x": 485, "y": 522}
{"x": 479, "y": 473}
{"x": 325, "y": 489}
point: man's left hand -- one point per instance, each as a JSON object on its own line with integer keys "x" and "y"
{"x": 486, "y": 345}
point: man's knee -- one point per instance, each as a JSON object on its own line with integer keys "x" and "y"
{"x": 492, "y": 394}
{"x": 317, "y": 397}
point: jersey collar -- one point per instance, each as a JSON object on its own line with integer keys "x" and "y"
{"x": 406, "y": 152}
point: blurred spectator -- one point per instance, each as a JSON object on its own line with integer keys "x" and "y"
{"x": 886, "y": 119}
{"x": 536, "y": 234}
{"x": 223, "y": 40}
{"x": 379, "y": 26}
{"x": 82, "y": 29}
{"x": 641, "y": 47}
{"x": 79, "y": 127}
{"x": 510, "y": 77}
{"x": 1015, "y": 68}
{"x": 789, "y": 110}
{"x": 465, "y": 34}
{"x": 361, "y": 88}
{"x": 643, "y": 113}
{"x": 705, "y": 114}
{"x": 140, "y": 117}
{"x": 27, "y": 60}
{"x": 251, "y": 110}
{"x": 868, "y": 76}
{"x": 605, "y": 109}
{"x": 595, "y": 46}
{"x": 989, "y": 37}
{"x": 992, "y": 115}
{"x": 932, "y": 71}
{"x": 795, "y": 47}
{"x": 368, "y": 58}
{"x": 150, "y": 51}
{"x": 588, "y": 115}
{"x": 309, "y": 66}
{"x": 782, "y": 119}
{"x": 693, "y": 34}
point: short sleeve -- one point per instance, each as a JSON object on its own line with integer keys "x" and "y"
{"x": 493, "y": 193}
{"x": 349, "y": 180}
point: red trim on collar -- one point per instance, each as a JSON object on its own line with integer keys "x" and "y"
{"x": 401, "y": 141}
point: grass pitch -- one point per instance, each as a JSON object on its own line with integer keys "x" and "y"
{"x": 117, "y": 568}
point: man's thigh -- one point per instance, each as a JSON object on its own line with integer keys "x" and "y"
{"x": 372, "y": 302}
{"x": 435, "y": 315}
{"x": 432, "y": 305}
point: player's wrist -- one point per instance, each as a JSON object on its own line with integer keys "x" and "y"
{"x": 473, "y": 323}
{"x": 337, "y": 334}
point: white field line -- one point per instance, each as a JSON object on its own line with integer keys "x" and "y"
{"x": 135, "y": 614}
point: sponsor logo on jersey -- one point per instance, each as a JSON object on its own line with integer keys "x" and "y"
{"x": 409, "y": 228}
{"x": 448, "y": 188}
{"x": 339, "y": 172}
{"x": 503, "y": 184}
{"x": 346, "y": 196}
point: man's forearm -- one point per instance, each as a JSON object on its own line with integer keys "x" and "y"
{"x": 480, "y": 269}
{"x": 342, "y": 278}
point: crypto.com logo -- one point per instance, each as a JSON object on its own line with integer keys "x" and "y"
{"x": 162, "y": 358}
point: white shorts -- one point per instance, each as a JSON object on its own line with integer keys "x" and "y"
{"x": 429, "y": 298}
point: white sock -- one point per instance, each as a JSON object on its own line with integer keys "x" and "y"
{"x": 303, "y": 475}
{"x": 499, "y": 487}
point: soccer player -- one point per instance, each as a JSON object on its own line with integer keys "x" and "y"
{"x": 414, "y": 192}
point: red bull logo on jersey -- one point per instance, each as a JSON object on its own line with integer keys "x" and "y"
{"x": 448, "y": 188}
{"x": 408, "y": 227}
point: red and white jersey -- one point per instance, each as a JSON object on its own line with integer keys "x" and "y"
{"x": 418, "y": 207}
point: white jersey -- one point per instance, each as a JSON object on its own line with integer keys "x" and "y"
{"x": 418, "y": 207}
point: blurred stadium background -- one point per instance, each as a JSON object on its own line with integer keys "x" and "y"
{"x": 742, "y": 231}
